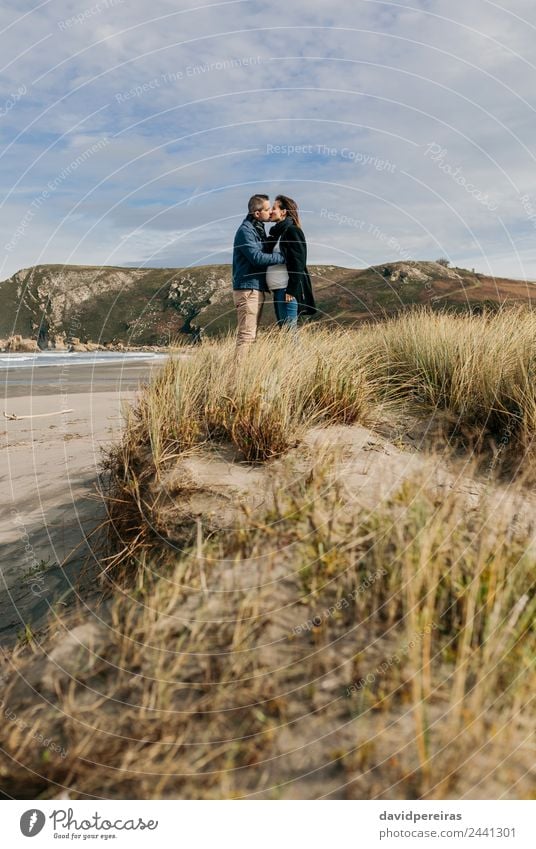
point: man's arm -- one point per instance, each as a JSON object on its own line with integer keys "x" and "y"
{"x": 248, "y": 245}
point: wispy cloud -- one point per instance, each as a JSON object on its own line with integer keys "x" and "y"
{"x": 191, "y": 109}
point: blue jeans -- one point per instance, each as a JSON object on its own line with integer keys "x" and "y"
{"x": 286, "y": 312}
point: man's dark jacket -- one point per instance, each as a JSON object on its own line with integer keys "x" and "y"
{"x": 293, "y": 246}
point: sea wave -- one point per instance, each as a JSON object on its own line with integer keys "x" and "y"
{"x": 49, "y": 358}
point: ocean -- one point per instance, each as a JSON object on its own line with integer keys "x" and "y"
{"x": 51, "y": 372}
{"x": 62, "y": 358}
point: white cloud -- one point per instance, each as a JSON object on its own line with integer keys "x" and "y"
{"x": 187, "y": 147}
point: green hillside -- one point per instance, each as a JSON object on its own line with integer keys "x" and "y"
{"x": 152, "y": 306}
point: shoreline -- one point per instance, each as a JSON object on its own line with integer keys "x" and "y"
{"x": 69, "y": 378}
{"x": 51, "y": 467}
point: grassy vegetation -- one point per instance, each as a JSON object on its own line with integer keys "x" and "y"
{"x": 471, "y": 377}
{"x": 476, "y": 371}
{"x": 315, "y": 647}
{"x": 479, "y": 370}
{"x": 283, "y": 387}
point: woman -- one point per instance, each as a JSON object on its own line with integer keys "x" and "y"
{"x": 290, "y": 284}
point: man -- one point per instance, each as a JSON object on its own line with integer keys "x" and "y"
{"x": 249, "y": 270}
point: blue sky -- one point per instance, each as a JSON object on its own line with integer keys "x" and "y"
{"x": 133, "y": 133}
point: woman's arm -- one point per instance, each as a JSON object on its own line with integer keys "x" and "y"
{"x": 294, "y": 249}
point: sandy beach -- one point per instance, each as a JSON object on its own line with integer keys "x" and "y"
{"x": 50, "y": 471}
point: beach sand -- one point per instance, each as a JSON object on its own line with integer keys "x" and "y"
{"x": 50, "y": 471}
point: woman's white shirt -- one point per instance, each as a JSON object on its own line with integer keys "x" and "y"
{"x": 276, "y": 275}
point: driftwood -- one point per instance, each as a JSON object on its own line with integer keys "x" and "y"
{"x": 14, "y": 418}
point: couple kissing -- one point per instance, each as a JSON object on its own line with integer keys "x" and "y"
{"x": 276, "y": 263}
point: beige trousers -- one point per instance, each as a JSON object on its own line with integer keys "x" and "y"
{"x": 249, "y": 304}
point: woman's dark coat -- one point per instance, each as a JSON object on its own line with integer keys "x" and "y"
{"x": 294, "y": 248}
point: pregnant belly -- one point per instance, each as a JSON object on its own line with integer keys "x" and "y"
{"x": 276, "y": 277}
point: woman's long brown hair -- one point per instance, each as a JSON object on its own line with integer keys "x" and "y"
{"x": 292, "y": 208}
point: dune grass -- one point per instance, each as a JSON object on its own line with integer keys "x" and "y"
{"x": 470, "y": 376}
{"x": 477, "y": 370}
{"x": 262, "y": 406}
{"x": 313, "y": 650}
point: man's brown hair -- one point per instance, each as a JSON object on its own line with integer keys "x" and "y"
{"x": 256, "y": 203}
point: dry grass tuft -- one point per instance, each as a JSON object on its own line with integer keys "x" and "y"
{"x": 313, "y": 650}
{"x": 473, "y": 375}
{"x": 478, "y": 369}
{"x": 263, "y": 408}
